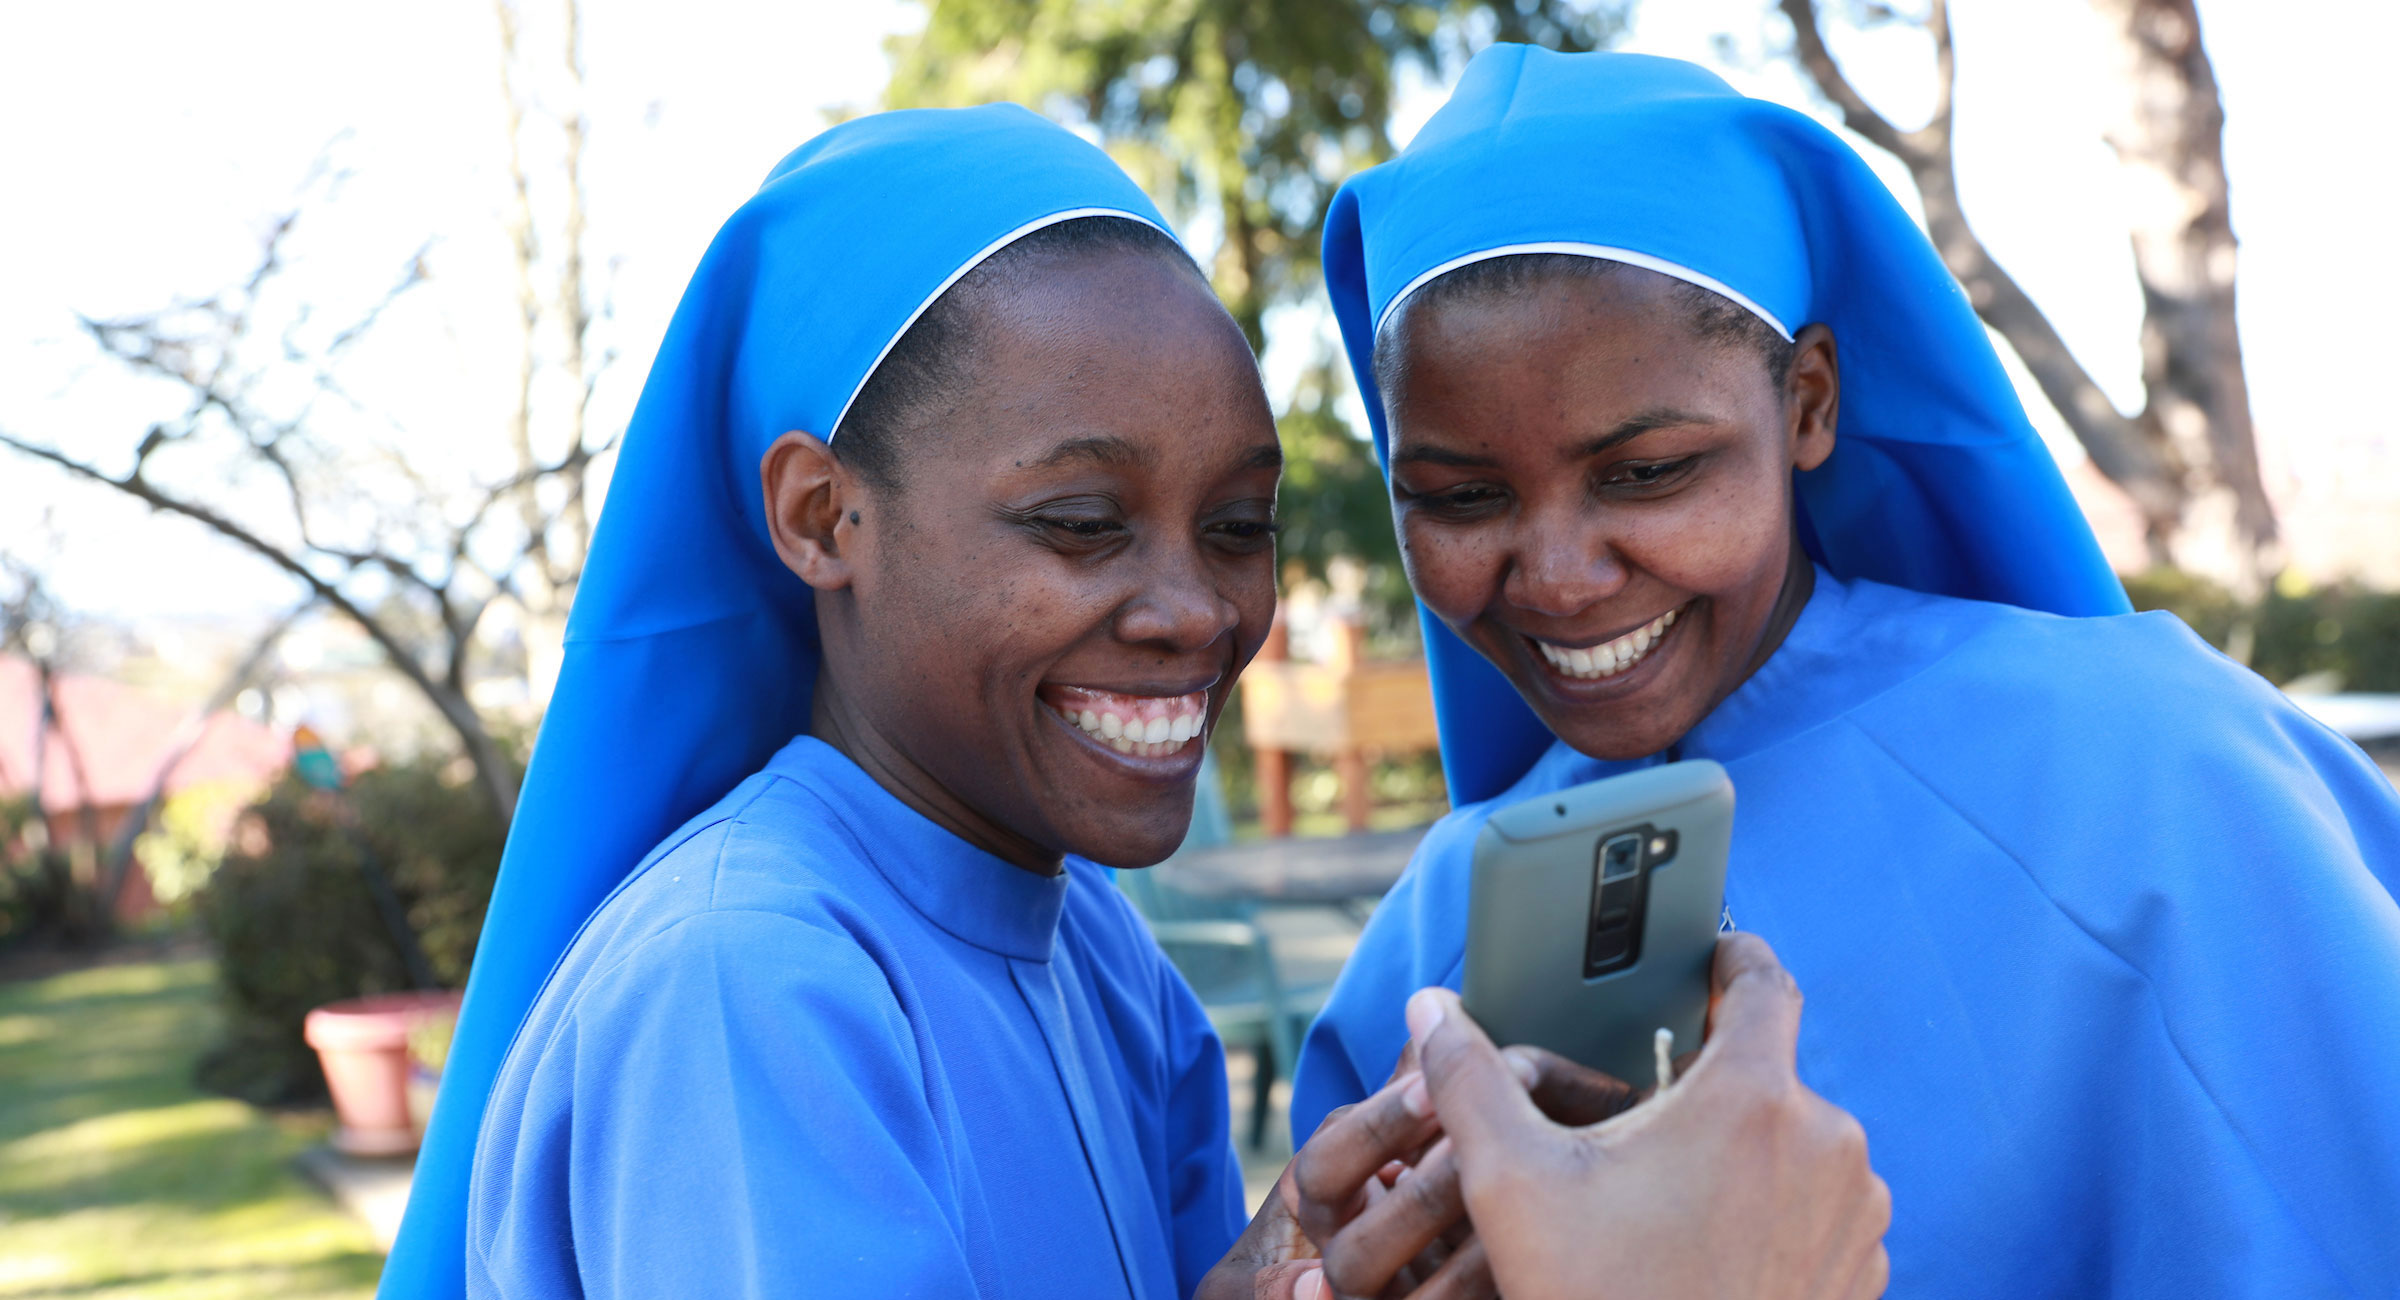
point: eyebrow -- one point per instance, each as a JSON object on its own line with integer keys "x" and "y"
{"x": 1100, "y": 449}
{"x": 1119, "y": 453}
{"x": 1266, "y": 455}
{"x": 1657, "y": 417}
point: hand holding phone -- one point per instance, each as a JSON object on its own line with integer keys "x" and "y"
{"x": 1736, "y": 1181}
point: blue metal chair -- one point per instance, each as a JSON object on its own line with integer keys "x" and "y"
{"x": 1228, "y": 957}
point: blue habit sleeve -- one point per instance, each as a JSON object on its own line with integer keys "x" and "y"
{"x": 735, "y": 1105}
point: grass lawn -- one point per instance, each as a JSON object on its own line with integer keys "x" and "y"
{"x": 118, "y": 1178}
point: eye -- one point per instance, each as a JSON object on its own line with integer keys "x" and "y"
{"x": 1646, "y": 473}
{"x": 1079, "y": 523}
{"x": 1467, "y": 501}
{"x": 1082, "y": 529}
{"x": 1245, "y": 529}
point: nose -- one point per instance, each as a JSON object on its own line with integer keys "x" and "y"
{"x": 1177, "y": 605}
{"x": 1559, "y": 570}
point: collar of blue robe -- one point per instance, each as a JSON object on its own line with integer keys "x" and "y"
{"x": 691, "y": 651}
{"x": 968, "y": 894}
{"x": 1937, "y": 482}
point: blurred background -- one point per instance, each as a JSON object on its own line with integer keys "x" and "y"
{"x": 319, "y": 323}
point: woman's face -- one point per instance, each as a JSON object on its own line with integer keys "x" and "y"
{"x": 1044, "y": 617}
{"x": 1599, "y": 500}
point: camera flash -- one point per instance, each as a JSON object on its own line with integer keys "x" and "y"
{"x": 1658, "y": 844}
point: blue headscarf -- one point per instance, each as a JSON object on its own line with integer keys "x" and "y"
{"x": 691, "y": 650}
{"x": 1936, "y": 482}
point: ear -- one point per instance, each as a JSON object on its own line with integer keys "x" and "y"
{"x": 812, "y": 499}
{"x": 1812, "y": 396}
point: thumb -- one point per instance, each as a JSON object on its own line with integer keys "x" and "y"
{"x": 1754, "y": 1012}
{"x": 1298, "y": 1280}
{"x": 1477, "y": 1092}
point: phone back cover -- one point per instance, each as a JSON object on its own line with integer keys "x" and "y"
{"x": 1529, "y": 916}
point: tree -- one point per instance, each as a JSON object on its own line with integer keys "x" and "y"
{"x": 556, "y": 333}
{"x": 2189, "y": 458}
{"x": 412, "y": 556}
{"x": 59, "y": 889}
{"x": 415, "y": 563}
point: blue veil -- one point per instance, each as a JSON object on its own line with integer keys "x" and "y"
{"x": 1937, "y": 482}
{"x": 691, "y": 650}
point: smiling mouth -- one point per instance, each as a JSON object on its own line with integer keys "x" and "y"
{"x": 1609, "y": 658}
{"x": 1144, "y": 726}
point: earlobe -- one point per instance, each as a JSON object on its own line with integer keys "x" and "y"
{"x": 810, "y": 502}
{"x": 1813, "y": 396}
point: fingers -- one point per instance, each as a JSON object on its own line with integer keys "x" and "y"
{"x": 1466, "y": 1275}
{"x": 1477, "y": 1092}
{"x": 1396, "y": 1227}
{"x": 1754, "y": 1013}
{"x": 1570, "y": 1094}
{"x": 1876, "y": 1276}
{"x": 1330, "y": 1173}
{"x": 1300, "y": 1280}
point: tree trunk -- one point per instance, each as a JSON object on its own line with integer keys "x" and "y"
{"x": 2189, "y": 461}
{"x": 2169, "y": 136}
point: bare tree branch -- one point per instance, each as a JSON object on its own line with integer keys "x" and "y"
{"x": 448, "y": 695}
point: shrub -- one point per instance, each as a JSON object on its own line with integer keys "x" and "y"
{"x": 296, "y": 925}
{"x": 2344, "y": 635}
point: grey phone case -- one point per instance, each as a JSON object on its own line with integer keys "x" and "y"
{"x": 1534, "y": 916}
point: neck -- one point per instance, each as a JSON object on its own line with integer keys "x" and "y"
{"x": 834, "y": 719}
{"x": 1799, "y": 582}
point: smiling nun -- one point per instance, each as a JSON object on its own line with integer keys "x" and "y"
{"x": 873, "y": 1023}
{"x": 1696, "y": 451}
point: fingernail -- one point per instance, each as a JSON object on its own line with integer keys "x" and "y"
{"x": 1425, "y": 1013}
{"x": 1311, "y": 1285}
{"x": 1524, "y": 1069}
{"x": 1415, "y": 1098}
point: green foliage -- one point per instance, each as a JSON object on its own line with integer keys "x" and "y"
{"x": 1333, "y": 502}
{"x": 2341, "y": 636}
{"x": 296, "y": 925}
{"x": 41, "y": 898}
{"x": 187, "y": 840}
{"x": 1248, "y": 113}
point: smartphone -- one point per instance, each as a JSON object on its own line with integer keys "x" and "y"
{"x": 1592, "y": 916}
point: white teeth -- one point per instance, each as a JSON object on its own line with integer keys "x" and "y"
{"x": 1154, "y": 736}
{"x": 1614, "y": 657}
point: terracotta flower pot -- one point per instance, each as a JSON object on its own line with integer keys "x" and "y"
{"x": 363, "y": 1045}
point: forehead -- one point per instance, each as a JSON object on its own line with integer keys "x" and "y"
{"x": 1111, "y": 345}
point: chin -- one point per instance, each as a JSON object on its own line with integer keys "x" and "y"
{"x": 1619, "y": 733}
{"x": 1139, "y": 835}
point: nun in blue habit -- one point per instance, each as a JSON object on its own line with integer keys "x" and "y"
{"x": 812, "y": 1041}
{"x": 2096, "y": 930}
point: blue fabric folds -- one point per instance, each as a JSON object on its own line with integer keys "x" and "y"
{"x": 691, "y": 650}
{"x": 1937, "y": 483}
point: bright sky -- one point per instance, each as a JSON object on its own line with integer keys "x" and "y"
{"x": 153, "y": 140}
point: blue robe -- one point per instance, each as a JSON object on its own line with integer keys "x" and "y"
{"x": 2096, "y": 932}
{"x": 817, "y": 1045}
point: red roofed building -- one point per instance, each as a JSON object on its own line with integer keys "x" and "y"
{"x": 123, "y": 735}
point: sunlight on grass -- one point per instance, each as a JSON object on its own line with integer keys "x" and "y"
{"x": 119, "y": 1179}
